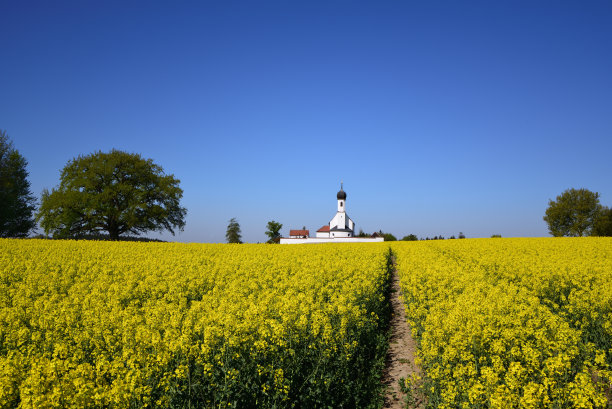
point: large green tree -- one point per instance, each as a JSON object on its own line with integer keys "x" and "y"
{"x": 574, "y": 213}
{"x": 115, "y": 192}
{"x": 273, "y": 231}
{"x": 603, "y": 224}
{"x": 233, "y": 233}
{"x": 17, "y": 203}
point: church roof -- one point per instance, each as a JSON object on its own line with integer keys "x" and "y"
{"x": 323, "y": 229}
{"x": 337, "y": 229}
{"x": 299, "y": 232}
{"x": 341, "y": 194}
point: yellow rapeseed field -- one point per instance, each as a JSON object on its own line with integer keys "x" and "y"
{"x": 500, "y": 323}
{"x": 511, "y": 323}
{"x": 119, "y": 325}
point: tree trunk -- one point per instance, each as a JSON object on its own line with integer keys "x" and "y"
{"x": 113, "y": 231}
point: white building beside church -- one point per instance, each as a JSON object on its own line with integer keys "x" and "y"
{"x": 340, "y": 229}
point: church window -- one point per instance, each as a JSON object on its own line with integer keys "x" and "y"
{"x": 341, "y": 204}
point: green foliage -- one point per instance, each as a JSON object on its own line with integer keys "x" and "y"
{"x": 389, "y": 237}
{"x": 273, "y": 231}
{"x": 410, "y": 237}
{"x": 362, "y": 233}
{"x": 603, "y": 224}
{"x": 105, "y": 237}
{"x": 461, "y": 235}
{"x": 386, "y": 236}
{"x": 410, "y": 388}
{"x": 233, "y": 233}
{"x": 116, "y": 192}
{"x": 496, "y": 236}
{"x": 574, "y": 213}
{"x": 16, "y": 201}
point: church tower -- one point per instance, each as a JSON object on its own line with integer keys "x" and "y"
{"x": 341, "y": 225}
{"x": 341, "y": 199}
{"x": 340, "y": 229}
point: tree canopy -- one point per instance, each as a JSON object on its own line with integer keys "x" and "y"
{"x": 574, "y": 213}
{"x": 115, "y": 192}
{"x": 362, "y": 233}
{"x": 387, "y": 236}
{"x": 233, "y": 233}
{"x": 273, "y": 231}
{"x": 17, "y": 203}
{"x": 603, "y": 224}
{"x": 410, "y": 237}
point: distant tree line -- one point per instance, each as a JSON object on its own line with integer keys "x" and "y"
{"x": 574, "y": 213}
{"x": 119, "y": 196}
{"x": 409, "y": 237}
{"x": 380, "y": 233}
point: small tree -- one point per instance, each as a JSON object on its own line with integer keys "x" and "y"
{"x": 233, "y": 233}
{"x": 461, "y": 235}
{"x": 603, "y": 224}
{"x": 115, "y": 192}
{"x": 389, "y": 237}
{"x": 273, "y": 231}
{"x": 574, "y": 213}
{"x": 16, "y": 200}
{"x": 410, "y": 237}
{"x": 362, "y": 233}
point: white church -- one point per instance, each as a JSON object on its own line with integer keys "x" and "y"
{"x": 341, "y": 229}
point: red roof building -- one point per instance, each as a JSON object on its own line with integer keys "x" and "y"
{"x": 298, "y": 234}
{"x": 324, "y": 229}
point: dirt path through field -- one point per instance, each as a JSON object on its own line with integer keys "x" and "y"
{"x": 401, "y": 354}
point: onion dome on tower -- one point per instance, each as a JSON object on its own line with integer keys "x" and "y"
{"x": 341, "y": 194}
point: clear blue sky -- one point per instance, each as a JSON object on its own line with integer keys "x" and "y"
{"x": 439, "y": 116}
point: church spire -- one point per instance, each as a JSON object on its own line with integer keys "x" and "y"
{"x": 341, "y": 194}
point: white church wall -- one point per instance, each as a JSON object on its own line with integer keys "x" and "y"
{"x": 334, "y": 222}
{"x": 314, "y": 240}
